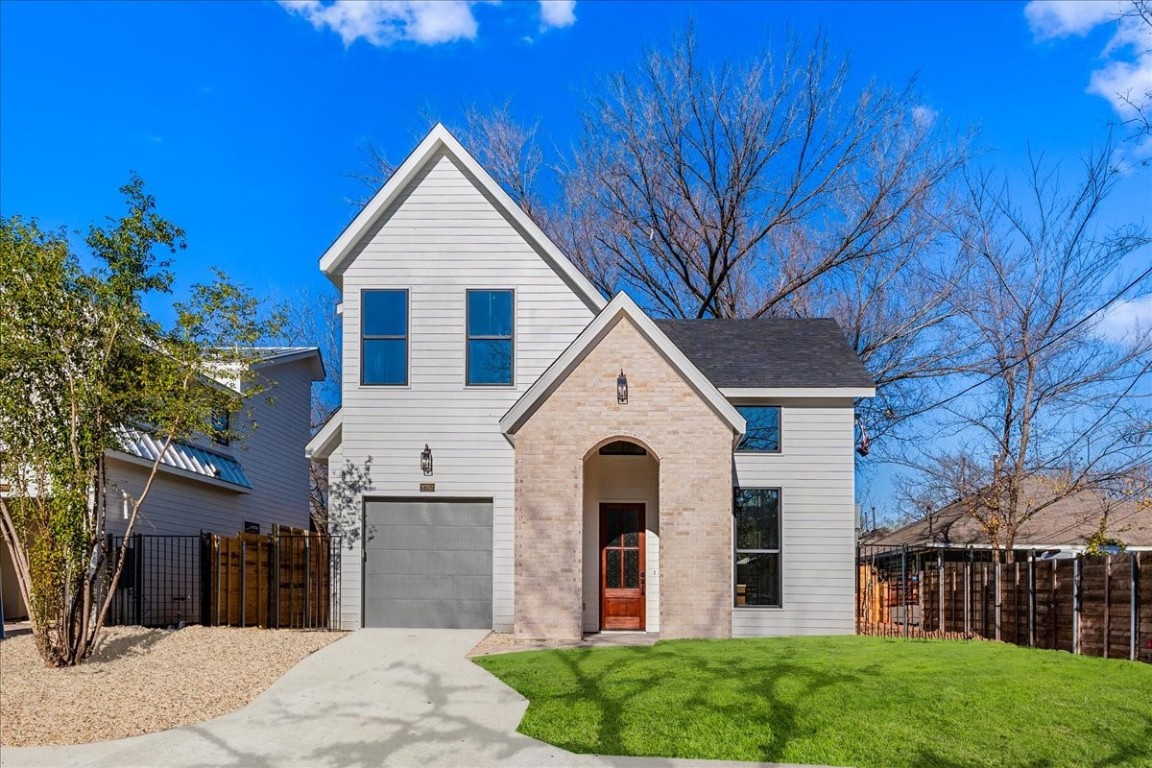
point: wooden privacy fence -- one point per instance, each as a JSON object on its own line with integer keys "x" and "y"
{"x": 1093, "y": 605}
{"x": 284, "y": 580}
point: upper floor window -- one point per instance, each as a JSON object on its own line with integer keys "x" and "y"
{"x": 490, "y": 329}
{"x": 763, "y": 432}
{"x": 384, "y": 337}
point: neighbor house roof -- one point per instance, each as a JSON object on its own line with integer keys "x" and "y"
{"x": 438, "y": 140}
{"x": 621, "y": 306}
{"x": 139, "y": 444}
{"x": 772, "y": 354}
{"x": 281, "y": 355}
{"x": 1067, "y": 523}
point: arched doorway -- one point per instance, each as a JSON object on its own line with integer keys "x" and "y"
{"x": 621, "y": 537}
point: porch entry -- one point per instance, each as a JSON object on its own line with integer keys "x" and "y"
{"x": 622, "y": 588}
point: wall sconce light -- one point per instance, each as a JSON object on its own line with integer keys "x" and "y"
{"x": 622, "y": 388}
{"x": 426, "y": 460}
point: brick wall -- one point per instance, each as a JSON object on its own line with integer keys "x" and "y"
{"x": 694, "y": 449}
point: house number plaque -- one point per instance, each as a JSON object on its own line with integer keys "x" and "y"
{"x": 427, "y": 487}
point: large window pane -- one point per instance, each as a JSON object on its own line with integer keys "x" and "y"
{"x": 385, "y": 361}
{"x": 490, "y": 346}
{"x": 757, "y": 518}
{"x": 763, "y": 431}
{"x": 490, "y": 313}
{"x": 489, "y": 361}
{"x": 758, "y": 579}
{"x": 385, "y": 313}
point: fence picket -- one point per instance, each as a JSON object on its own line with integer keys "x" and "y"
{"x": 1095, "y": 606}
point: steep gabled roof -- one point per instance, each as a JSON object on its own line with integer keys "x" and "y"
{"x": 343, "y": 250}
{"x": 622, "y": 306}
{"x": 772, "y": 353}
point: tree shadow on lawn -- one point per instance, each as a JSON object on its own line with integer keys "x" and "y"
{"x": 762, "y": 679}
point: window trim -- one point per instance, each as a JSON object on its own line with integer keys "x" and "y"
{"x": 779, "y": 551}
{"x": 406, "y": 338}
{"x": 468, "y": 337}
{"x": 779, "y": 429}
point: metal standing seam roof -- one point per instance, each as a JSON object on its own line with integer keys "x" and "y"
{"x": 769, "y": 352}
{"x": 190, "y": 458}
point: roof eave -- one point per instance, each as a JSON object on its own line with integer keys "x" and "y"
{"x": 325, "y": 442}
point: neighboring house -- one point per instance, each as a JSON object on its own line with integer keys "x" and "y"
{"x": 210, "y": 485}
{"x": 1064, "y": 526}
{"x": 515, "y": 452}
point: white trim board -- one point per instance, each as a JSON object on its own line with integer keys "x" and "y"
{"x": 328, "y": 439}
{"x": 620, "y": 307}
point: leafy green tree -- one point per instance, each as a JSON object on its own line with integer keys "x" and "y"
{"x": 82, "y": 360}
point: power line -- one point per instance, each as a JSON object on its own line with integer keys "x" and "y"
{"x": 1146, "y": 273}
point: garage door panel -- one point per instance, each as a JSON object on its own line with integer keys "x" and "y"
{"x": 428, "y": 564}
{"x": 430, "y": 537}
{"x": 434, "y": 513}
{"x": 397, "y": 587}
{"x": 440, "y": 614}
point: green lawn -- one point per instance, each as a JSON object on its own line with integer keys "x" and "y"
{"x": 853, "y": 701}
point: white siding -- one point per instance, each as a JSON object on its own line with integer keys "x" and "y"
{"x": 272, "y": 455}
{"x": 816, "y": 474}
{"x": 441, "y": 237}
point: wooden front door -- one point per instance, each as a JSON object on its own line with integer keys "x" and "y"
{"x": 621, "y": 566}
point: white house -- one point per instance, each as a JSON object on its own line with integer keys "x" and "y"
{"x": 209, "y": 484}
{"x": 531, "y": 457}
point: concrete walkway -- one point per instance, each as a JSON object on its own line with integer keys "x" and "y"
{"x": 374, "y": 698}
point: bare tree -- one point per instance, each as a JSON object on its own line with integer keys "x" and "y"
{"x": 1053, "y": 405}
{"x": 310, "y": 319}
{"x": 753, "y": 190}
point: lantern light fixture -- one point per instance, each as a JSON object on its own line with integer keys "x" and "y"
{"x": 426, "y": 460}
{"x": 622, "y": 388}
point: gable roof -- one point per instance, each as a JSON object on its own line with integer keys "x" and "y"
{"x": 439, "y": 139}
{"x": 1068, "y": 522}
{"x": 622, "y": 306}
{"x": 771, "y": 353}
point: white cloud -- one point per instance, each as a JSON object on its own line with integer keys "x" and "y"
{"x": 1125, "y": 319}
{"x": 1125, "y": 78}
{"x": 425, "y": 22}
{"x": 1125, "y": 84}
{"x": 923, "y": 116}
{"x": 1051, "y": 19}
{"x": 557, "y": 13}
{"x": 384, "y": 22}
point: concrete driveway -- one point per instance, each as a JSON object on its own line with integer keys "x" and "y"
{"x": 377, "y": 697}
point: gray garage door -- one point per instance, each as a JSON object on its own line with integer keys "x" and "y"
{"x": 428, "y": 564}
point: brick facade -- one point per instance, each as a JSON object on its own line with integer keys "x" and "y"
{"x": 693, "y": 446}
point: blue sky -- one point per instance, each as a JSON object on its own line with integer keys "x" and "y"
{"x": 246, "y": 119}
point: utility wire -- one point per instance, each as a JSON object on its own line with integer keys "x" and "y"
{"x": 1042, "y": 347}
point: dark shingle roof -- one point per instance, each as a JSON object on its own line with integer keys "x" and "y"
{"x": 769, "y": 352}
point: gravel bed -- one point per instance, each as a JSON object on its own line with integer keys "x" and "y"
{"x": 142, "y": 680}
